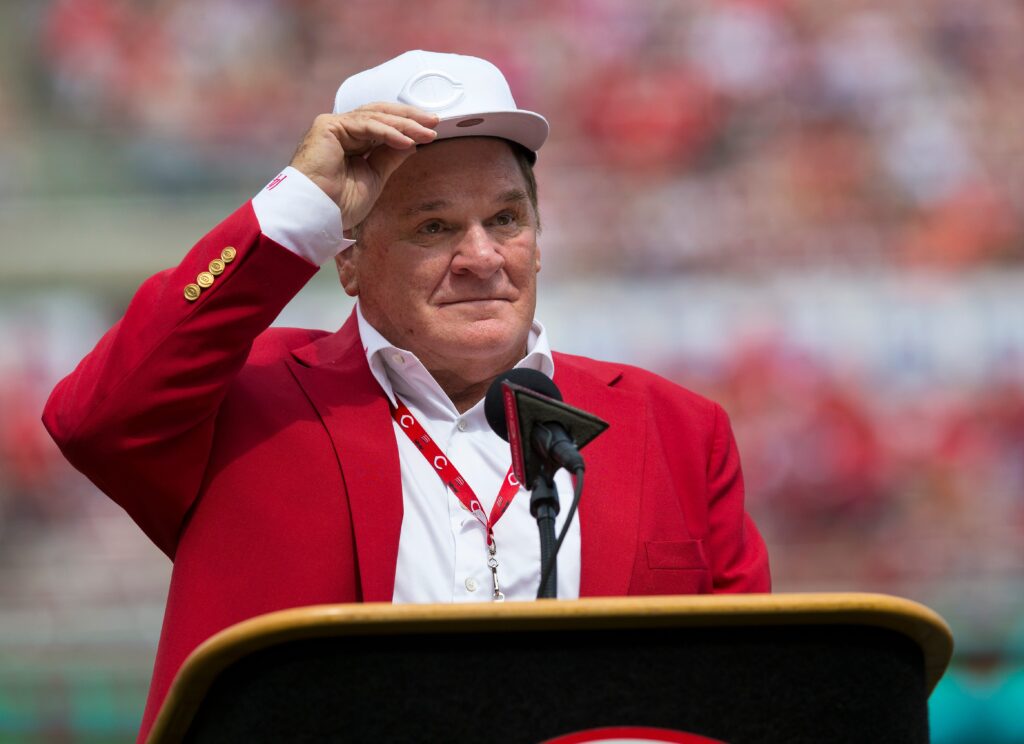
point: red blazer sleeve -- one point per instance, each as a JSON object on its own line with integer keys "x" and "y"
{"x": 738, "y": 553}
{"x": 138, "y": 413}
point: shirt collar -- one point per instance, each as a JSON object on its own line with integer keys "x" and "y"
{"x": 399, "y": 372}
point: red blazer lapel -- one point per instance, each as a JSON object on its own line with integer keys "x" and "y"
{"x": 609, "y": 510}
{"x": 336, "y": 378}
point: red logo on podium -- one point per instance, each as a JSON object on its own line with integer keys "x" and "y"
{"x": 632, "y": 735}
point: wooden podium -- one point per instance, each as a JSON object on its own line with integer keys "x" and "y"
{"x": 747, "y": 668}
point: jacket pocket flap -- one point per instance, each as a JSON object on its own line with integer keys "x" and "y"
{"x": 678, "y": 554}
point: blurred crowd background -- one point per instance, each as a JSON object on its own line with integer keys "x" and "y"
{"x": 810, "y": 210}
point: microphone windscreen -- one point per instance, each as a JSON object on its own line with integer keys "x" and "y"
{"x": 494, "y": 402}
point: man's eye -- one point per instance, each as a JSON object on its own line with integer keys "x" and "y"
{"x": 505, "y": 219}
{"x": 433, "y": 228}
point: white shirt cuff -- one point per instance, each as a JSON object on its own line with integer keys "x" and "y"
{"x": 295, "y": 213}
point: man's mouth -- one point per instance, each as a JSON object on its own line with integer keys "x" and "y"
{"x": 475, "y": 300}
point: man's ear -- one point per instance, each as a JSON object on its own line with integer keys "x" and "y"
{"x": 347, "y": 274}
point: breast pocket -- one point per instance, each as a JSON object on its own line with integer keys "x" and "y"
{"x": 675, "y": 567}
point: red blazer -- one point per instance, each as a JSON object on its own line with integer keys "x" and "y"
{"x": 264, "y": 463}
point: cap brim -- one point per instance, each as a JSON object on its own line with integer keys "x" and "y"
{"x": 525, "y": 127}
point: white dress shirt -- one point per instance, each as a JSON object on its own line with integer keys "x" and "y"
{"x": 442, "y": 550}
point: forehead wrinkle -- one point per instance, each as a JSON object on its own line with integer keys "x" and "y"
{"x": 434, "y": 205}
{"x": 428, "y": 206}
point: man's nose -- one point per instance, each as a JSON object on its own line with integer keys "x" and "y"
{"x": 477, "y": 253}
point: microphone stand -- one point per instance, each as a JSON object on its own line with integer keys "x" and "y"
{"x": 537, "y": 425}
{"x": 544, "y": 508}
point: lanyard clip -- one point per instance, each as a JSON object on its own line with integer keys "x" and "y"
{"x": 497, "y": 596}
{"x": 492, "y": 563}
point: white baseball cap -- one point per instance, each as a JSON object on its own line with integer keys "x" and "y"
{"x": 470, "y": 95}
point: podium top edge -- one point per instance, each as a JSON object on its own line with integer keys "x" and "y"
{"x": 684, "y": 610}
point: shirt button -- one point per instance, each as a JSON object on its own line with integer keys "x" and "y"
{"x": 471, "y": 584}
{"x": 398, "y": 359}
{"x": 462, "y": 425}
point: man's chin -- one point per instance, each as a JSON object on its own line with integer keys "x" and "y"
{"x": 485, "y": 337}
{"x": 481, "y": 317}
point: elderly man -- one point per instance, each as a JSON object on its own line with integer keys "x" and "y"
{"x": 271, "y": 466}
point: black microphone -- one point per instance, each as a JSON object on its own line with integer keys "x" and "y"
{"x": 524, "y": 407}
{"x": 494, "y": 403}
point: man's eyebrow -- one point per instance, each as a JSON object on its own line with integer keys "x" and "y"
{"x": 513, "y": 195}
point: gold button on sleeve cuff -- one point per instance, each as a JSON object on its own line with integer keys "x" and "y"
{"x": 216, "y": 267}
{"x": 205, "y": 279}
{"x": 192, "y": 292}
{"x": 228, "y": 254}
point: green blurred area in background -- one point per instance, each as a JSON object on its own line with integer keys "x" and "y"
{"x": 70, "y": 701}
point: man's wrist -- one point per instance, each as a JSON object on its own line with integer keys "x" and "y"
{"x": 296, "y": 213}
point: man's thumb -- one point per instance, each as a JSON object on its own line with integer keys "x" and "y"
{"x": 385, "y": 160}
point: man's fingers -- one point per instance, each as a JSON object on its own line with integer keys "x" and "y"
{"x": 408, "y": 127}
{"x": 400, "y": 109}
{"x": 367, "y": 126}
{"x": 359, "y": 133}
{"x": 360, "y": 136}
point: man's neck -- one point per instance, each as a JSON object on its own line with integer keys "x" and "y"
{"x": 467, "y": 384}
{"x": 463, "y": 395}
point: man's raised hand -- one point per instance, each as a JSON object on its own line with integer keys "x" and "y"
{"x": 351, "y": 156}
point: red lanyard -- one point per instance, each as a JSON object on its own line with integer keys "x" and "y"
{"x": 451, "y": 477}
